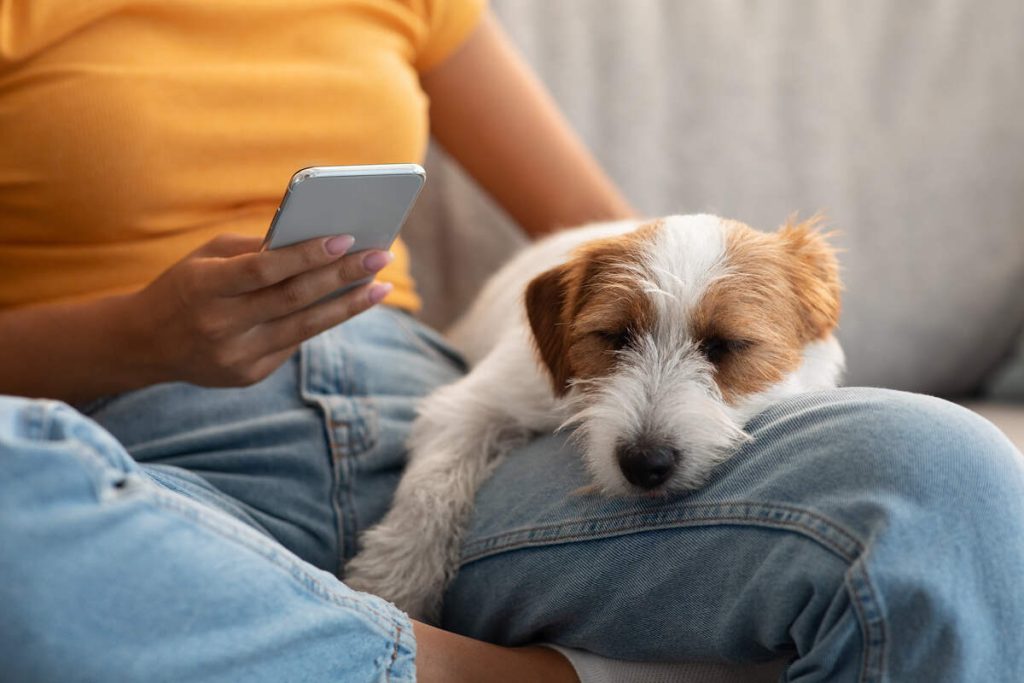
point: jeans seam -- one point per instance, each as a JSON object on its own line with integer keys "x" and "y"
{"x": 397, "y": 648}
{"x": 824, "y": 531}
{"x": 37, "y": 420}
{"x": 306, "y": 369}
{"x": 777, "y": 516}
{"x": 394, "y": 654}
{"x": 361, "y": 426}
{"x": 349, "y": 518}
{"x": 251, "y": 540}
{"x": 349, "y": 433}
{"x": 193, "y": 491}
{"x": 867, "y": 606}
{"x": 389, "y": 624}
{"x": 812, "y": 525}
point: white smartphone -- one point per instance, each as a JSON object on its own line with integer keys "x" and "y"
{"x": 368, "y": 202}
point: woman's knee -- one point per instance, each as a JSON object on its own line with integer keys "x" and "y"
{"x": 46, "y": 447}
{"x": 878, "y": 441}
{"x": 932, "y": 492}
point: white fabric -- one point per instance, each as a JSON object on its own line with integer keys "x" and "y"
{"x": 591, "y": 668}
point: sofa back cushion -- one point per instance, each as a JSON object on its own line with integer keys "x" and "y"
{"x": 902, "y": 122}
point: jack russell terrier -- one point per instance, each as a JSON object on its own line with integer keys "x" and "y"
{"x": 654, "y": 341}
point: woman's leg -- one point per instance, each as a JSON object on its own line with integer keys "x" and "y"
{"x": 108, "y": 575}
{"x": 867, "y": 534}
{"x": 310, "y": 455}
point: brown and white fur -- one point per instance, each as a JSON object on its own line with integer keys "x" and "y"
{"x": 655, "y": 342}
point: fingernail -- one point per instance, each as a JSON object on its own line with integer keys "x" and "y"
{"x": 376, "y": 260}
{"x": 379, "y": 290}
{"x": 336, "y": 246}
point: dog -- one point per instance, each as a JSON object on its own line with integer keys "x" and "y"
{"x": 654, "y": 341}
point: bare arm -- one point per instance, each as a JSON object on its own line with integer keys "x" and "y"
{"x": 449, "y": 658}
{"x": 225, "y": 315}
{"x": 70, "y": 351}
{"x": 491, "y": 113}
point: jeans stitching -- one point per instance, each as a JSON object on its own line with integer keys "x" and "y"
{"x": 350, "y": 518}
{"x": 865, "y": 602}
{"x": 824, "y": 531}
{"x": 361, "y": 426}
{"x": 308, "y": 367}
{"x": 271, "y": 552}
{"x": 230, "y": 529}
{"x": 195, "y": 491}
{"x": 394, "y": 654}
{"x": 397, "y": 648}
{"x": 349, "y": 433}
{"x": 879, "y": 623}
{"x": 830, "y": 534}
{"x": 41, "y": 415}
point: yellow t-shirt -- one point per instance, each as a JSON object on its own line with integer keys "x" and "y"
{"x": 133, "y": 131}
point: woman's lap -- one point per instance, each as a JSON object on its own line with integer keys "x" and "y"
{"x": 860, "y": 529}
{"x": 107, "y": 575}
{"x": 312, "y": 454}
{"x": 820, "y": 536}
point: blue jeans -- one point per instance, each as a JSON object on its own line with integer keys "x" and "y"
{"x": 181, "y": 533}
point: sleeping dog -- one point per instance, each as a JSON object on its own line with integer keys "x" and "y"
{"x": 653, "y": 341}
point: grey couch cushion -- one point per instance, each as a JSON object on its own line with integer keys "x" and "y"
{"x": 901, "y": 121}
{"x": 1007, "y": 383}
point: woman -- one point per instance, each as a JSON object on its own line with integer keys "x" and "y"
{"x": 250, "y": 437}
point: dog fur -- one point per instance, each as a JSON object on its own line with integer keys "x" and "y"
{"x": 653, "y": 341}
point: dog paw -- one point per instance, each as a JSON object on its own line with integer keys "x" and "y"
{"x": 401, "y": 570}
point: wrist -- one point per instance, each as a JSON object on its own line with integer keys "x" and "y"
{"x": 138, "y": 360}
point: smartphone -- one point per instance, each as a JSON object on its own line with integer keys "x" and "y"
{"x": 368, "y": 202}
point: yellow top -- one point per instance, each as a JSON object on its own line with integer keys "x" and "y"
{"x": 133, "y": 131}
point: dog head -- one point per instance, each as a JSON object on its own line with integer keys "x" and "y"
{"x": 667, "y": 339}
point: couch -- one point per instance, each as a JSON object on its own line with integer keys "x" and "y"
{"x": 900, "y": 121}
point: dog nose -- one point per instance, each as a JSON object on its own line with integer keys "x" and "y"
{"x": 646, "y": 466}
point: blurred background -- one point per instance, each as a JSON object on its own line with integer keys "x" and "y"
{"x": 903, "y": 122}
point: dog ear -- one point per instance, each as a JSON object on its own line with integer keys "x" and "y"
{"x": 814, "y": 274}
{"x": 547, "y": 308}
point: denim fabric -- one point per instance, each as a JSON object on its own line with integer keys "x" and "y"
{"x": 868, "y": 535}
{"x": 871, "y": 535}
{"x": 105, "y": 575}
{"x": 310, "y": 455}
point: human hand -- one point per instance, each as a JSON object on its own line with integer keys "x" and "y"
{"x": 229, "y": 315}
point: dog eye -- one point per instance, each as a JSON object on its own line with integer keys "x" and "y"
{"x": 616, "y": 339}
{"x": 717, "y": 349}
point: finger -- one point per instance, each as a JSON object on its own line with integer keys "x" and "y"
{"x": 298, "y": 327}
{"x": 301, "y": 291}
{"x": 250, "y": 272}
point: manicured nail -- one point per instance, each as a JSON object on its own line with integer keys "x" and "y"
{"x": 376, "y": 260}
{"x": 337, "y": 246}
{"x": 379, "y": 290}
